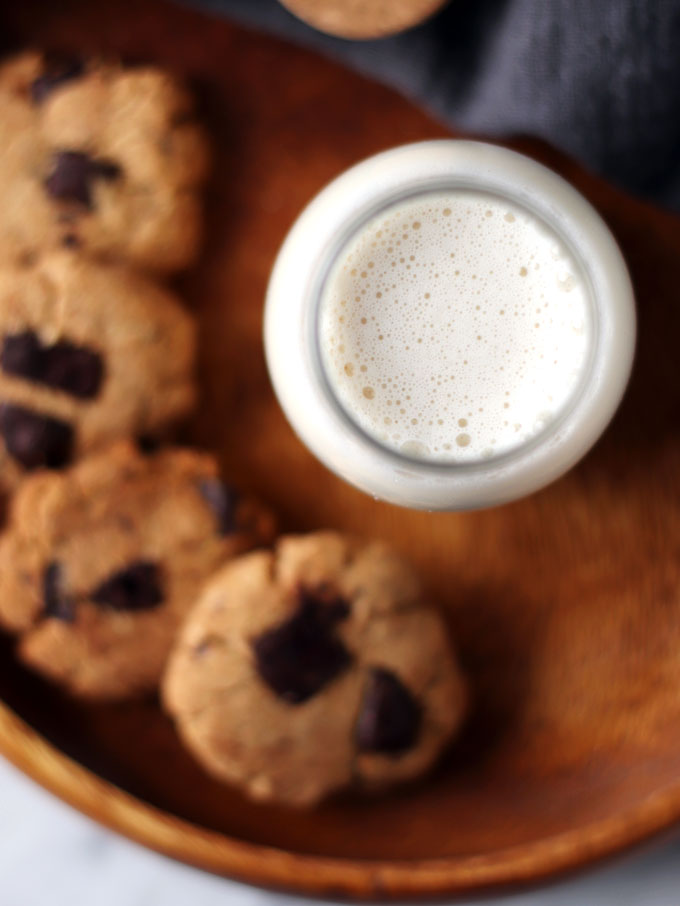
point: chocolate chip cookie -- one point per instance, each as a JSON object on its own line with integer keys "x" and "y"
{"x": 101, "y": 157}
{"x": 100, "y": 563}
{"x": 89, "y": 353}
{"x": 313, "y": 668}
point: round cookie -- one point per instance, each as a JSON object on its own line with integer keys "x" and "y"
{"x": 314, "y": 668}
{"x": 89, "y": 353}
{"x": 100, "y": 563}
{"x": 363, "y": 20}
{"x": 102, "y": 157}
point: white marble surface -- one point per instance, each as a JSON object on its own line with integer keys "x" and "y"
{"x": 52, "y": 856}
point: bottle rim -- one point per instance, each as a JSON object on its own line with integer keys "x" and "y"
{"x": 340, "y": 211}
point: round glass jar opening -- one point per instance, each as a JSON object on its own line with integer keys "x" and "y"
{"x": 334, "y": 397}
{"x": 455, "y": 326}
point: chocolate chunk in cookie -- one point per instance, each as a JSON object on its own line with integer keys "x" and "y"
{"x": 57, "y": 71}
{"x": 76, "y": 370}
{"x": 223, "y": 500}
{"x": 73, "y": 174}
{"x": 34, "y": 440}
{"x": 137, "y": 587}
{"x": 302, "y": 655}
{"x": 390, "y": 717}
{"x": 21, "y": 355}
{"x": 57, "y": 603}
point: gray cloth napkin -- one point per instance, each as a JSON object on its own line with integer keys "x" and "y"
{"x": 599, "y": 79}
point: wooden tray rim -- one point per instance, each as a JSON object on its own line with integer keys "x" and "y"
{"x": 273, "y": 867}
{"x": 316, "y": 875}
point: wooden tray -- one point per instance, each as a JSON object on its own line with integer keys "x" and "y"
{"x": 566, "y": 606}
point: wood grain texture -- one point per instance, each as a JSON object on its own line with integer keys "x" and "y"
{"x": 565, "y": 606}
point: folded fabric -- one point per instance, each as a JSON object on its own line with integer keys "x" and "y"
{"x": 599, "y": 80}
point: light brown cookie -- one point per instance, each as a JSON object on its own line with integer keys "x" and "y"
{"x": 100, "y": 564}
{"x": 314, "y": 668}
{"x": 89, "y": 353}
{"x": 363, "y": 19}
{"x": 100, "y": 157}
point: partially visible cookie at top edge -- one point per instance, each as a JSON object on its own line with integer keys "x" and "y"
{"x": 108, "y": 158}
{"x": 314, "y": 668}
{"x": 89, "y": 353}
{"x": 363, "y": 20}
{"x": 100, "y": 563}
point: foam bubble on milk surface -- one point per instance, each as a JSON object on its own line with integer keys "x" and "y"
{"x": 454, "y": 327}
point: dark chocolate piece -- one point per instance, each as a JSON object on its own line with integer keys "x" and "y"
{"x": 223, "y": 500}
{"x": 57, "y": 70}
{"x": 297, "y": 658}
{"x": 21, "y": 354}
{"x": 76, "y": 370}
{"x": 36, "y": 441}
{"x": 390, "y": 717}
{"x": 57, "y": 603}
{"x": 136, "y": 587}
{"x": 73, "y": 174}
